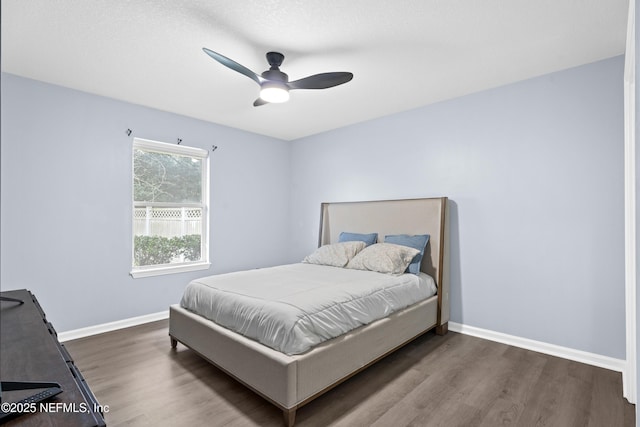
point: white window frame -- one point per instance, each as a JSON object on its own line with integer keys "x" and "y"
{"x": 165, "y": 148}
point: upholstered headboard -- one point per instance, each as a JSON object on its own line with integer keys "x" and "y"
{"x": 407, "y": 216}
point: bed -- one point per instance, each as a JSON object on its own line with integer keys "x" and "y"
{"x": 289, "y": 381}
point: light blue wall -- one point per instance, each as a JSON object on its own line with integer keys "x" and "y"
{"x": 66, "y": 201}
{"x": 534, "y": 171}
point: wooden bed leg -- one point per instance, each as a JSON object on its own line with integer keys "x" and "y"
{"x": 289, "y": 416}
{"x": 174, "y": 342}
{"x": 442, "y": 329}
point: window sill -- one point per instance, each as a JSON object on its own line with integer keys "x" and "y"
{"x": 159, "y": 271}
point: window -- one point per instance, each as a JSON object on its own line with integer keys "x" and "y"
{"x": 170, "y": 208}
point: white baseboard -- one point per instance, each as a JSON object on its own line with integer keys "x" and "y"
{"x": 606, "y": 362}
{"x": 111, "y": 326}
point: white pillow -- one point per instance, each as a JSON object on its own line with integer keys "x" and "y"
{"x": 335, "y": 255}
{"x": 386, "y": 258}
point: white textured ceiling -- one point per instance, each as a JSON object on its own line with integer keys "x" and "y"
{"x": 403, "y": 54}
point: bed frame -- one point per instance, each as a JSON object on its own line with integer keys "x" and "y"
{"x": 290, "y": 382}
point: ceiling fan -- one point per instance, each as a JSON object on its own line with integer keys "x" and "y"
{"x": 274, "y": 84}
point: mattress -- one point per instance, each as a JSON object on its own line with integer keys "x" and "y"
{"x": 292, "y": 308}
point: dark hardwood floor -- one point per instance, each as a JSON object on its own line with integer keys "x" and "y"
{"x": 452, "y": 380}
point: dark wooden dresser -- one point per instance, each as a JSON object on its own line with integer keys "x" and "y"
{"x": 30, "y": 351}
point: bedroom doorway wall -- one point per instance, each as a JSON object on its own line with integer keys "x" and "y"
{"x": 630, "y": 123}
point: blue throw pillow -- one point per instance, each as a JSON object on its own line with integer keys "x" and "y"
{"x": 369, "y": 239}
{"x": 418, "y": 242}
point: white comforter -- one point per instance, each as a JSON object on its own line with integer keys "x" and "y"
{"x": 293, "y": 307}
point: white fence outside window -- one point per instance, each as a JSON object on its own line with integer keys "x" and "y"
{"x": 167, "y": 222}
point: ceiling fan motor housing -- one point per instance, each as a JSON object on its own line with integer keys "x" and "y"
{"x": 276, "y": 75}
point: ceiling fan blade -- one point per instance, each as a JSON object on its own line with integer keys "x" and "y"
{"x": 258, "y": 102}
{"x": 321, "y": 81}
{"x": 233, "y": 65}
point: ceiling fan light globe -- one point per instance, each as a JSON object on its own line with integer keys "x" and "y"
{"x": 274, "y": 94}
